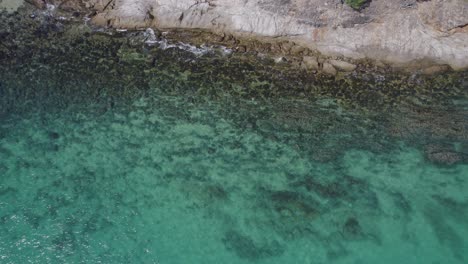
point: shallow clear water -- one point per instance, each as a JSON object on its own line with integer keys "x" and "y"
{"x": 167, "y": 180}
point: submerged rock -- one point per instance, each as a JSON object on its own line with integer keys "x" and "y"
{"x": 443, "y": 154}
{"x": 246, "y": 248}
{"x": 54, "y": 135}
{"x": 293, "y": 204}
{"x": 352, "y": 228}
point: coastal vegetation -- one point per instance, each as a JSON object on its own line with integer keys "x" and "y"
{"x": 357, "y": 4}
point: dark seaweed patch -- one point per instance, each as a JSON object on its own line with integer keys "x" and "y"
{"x": 7, "y": 190}
{"x": 53, "y": 135}
{"x": 343, "y": 189}
{"x": 445, "y": 233}
{"x": 65, "y": 242}
{"x": 246, "y": 248}
{"x": 217, "y": 192}
{"x": 402, "y": 203}
{"x": 287, "y": 203}
{"x": 456, "y": 209}
{"x": 352, "y": 228}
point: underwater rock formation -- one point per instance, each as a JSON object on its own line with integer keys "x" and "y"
{"x": 246, "y": 248}
{"x": 444, "y": 155}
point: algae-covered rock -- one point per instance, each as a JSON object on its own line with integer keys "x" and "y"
{"x": 443, "y": 154}
{"x": 130, "y": 55}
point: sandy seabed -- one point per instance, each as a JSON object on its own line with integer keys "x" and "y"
{"x": 163, "y": 180}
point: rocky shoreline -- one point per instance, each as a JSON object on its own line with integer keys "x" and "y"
{"x": 331, "y": 36}
{"x": 65, "y": 45}
{"x": 406, "y": 34}
{"x": 70, "y": 47}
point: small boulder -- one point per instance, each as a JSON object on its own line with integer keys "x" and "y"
{"x": 297, "y": 50}
{"x": 310, "y": 63}
{"x": 343, "y": 65}
{"x": 329, "y": 69}
{"x": 241, "y": 48}
{"x": 436, "y": 69}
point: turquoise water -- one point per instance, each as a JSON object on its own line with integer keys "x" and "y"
{"x": 169, "y": 180}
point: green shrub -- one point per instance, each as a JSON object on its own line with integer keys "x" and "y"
{"x": 356, "y": 4}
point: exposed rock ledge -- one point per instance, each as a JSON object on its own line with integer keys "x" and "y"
{"x": 399, "y": 32}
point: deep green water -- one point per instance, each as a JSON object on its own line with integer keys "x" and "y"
{"x": 164, "y": 179}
